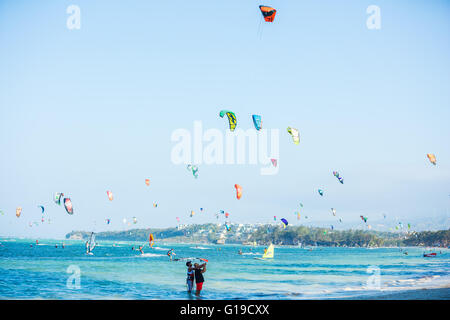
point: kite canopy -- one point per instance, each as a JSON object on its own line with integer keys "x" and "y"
{"x": 274, "y": 162}
{"x": 257, "y": 121}
{"x": 231, "y": 118}
{"x": 363, "y": 219}
{"x": 42, "y": 208}
{"x": 432, "y": 158}
{"x": 268, "y": 13}
{"x": 285, "y": 222}
{"x": 194, "y": 170}
{"x": 336, "y": 174}
{"x": 333, "y": 210}
{"x": 110, "y": 195}
{"x": 57, "y": 198}
{"x": 295, "y": 134}
{"x": 320, "y": 192}
{"x": 68, "y": 205}
{"x": 147, "y": 182}
{"x": 18, "y": 211}
{"x": 238, "y": 191}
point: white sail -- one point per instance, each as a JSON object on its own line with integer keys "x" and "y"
{"x": 92, "y": 243}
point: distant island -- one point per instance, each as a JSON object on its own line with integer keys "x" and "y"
{"x": 248, "y": 234}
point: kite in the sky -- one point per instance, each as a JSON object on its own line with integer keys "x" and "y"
{"x": 110, "y": 195}
{"x": 320, "y": 192}
{"x": 274, "y": 162}
{"x": 147, "y": 182}
{"x": 285, "y": 222}
{"x": 432, "y": 158}
{"x": 42, "y": 208}
{"x": 58, "y": 196}
{"x": 18, "y": 211}
{"x": 231, "y": 118}
{"x": 268, "y": 13}
{"x": 295, "y": 134}
{"x": 68, "y": 205}
{"x": 194, "y": 170}
{"x": 364, "y": 219}
{"x": 333, "y": 210}
{"x": 257, "y": 121}
{"x": 336, "y": 174}
{"x": 238, "y": 191}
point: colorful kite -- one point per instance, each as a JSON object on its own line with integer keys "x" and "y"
{"x": 57, "y": 198}
{"x": 231, "y": 118}
{"x": 268, "y": 13}
{"x": 238, "y": 191}
{"x": 257, "y": 121}
{"x": 68, "y": 205}
{"x": 295, "y": 134}
{"x": 432, "y": 158}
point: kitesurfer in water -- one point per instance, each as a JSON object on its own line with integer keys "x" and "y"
{"x": 170, "y": 253}
{"x": 87, "y": 247}
{"x": 140, "y": 249}
{"x": 190, "y": 276}
{"x": 198, "y": 272}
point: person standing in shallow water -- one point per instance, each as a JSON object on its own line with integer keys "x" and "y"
{"x": 198, "y": 272}
{"x": 190, "y": 276}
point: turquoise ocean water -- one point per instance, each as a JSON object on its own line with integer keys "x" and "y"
{"x": 115, "y": 271}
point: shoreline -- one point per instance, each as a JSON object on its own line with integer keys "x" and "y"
{"x": 441, "y": 293}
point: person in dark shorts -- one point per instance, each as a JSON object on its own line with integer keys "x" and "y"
{"x": 198, "y": 272}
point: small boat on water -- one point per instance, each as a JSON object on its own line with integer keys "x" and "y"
{"x": 428, "y": 255}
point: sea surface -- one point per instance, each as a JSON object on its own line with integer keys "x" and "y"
{"x": 115, "y": 271}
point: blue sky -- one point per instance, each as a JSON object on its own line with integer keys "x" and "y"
{"x": 89, "y": 110}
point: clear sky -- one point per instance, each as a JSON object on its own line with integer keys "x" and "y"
{"x": 89, "y": 110}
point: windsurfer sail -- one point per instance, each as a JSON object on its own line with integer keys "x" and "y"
{"x": 269, "y": 252}
{"x": 91, "y": 243}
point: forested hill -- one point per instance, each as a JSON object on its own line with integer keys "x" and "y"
{"x": 270, "y": 233}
